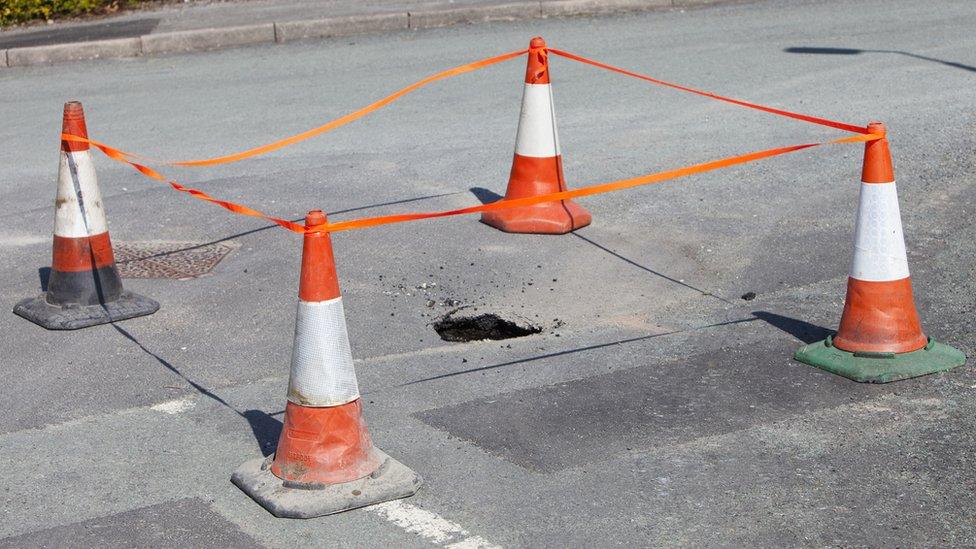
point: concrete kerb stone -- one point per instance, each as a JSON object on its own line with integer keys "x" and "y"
{"x": 208, "y": 39}
{"x": 694, "y": 3}
{"x": 225, "y": 37}
{"x": 340, "y": 26}
{"x": 427, "y": 19}
{"x": 552, "y": 8}
{"x": 98, "y": 49}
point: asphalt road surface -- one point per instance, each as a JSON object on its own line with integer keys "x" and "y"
{"x": 657, "y": 407}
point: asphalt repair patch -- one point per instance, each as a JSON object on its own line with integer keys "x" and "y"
{"x": 550, "y": 428}
{"x": 186, "y": 522}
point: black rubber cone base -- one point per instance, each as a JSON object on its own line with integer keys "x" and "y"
{"x": 392, "y": 480}
{"x": 73, "y": 317}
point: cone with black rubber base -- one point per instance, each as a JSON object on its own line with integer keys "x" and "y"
{"x": 325, "y": 461}
{"x": 84, "y": 288}
{"x": 880, "y": 337}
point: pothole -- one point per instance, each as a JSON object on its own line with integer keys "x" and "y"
{"x": 481, "y": 327}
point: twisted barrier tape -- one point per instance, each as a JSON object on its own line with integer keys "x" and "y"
{"x": 338, "y": 122}
{"x": 364, "y": 222}
{"x": 863, "y": 135}
{"x": 780, "y": 112}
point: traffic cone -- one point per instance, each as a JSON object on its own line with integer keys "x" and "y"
{"x": 537, "y": 168}
{"x": 325, "y": 461}
{"x": 84, "y": 288}
{"x": 880, "y": 337}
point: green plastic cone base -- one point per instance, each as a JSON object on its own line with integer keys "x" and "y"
{"x": 880, "y": 367}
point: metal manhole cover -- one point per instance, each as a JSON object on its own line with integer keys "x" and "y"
{"x": 179, "y": 260}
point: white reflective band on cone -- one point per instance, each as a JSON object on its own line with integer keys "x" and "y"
{"x": 879, "y": 246}
{"x": 322, "y": 373}
{"x": 537, "y": 135}
{"x": 77, "y": 175}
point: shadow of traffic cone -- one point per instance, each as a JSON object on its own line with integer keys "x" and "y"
{"x": 325, "y": 461}
{"x": 84, "y": 288}
{"x": 880, "y": 337}
{"x": 537, "y": 168}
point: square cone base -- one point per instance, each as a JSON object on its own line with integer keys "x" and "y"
{"x": 73, "y": 317}
{"x": 880, "y": 367}
{"x": 547, "y": 218}
{"x": 392, "y": 480}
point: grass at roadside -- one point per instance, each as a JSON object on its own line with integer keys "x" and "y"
{"x": 15, "y": 12}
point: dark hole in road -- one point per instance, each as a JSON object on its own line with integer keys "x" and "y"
{"x": 484, "y": 326}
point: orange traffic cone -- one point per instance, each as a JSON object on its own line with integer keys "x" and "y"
{"x": 84, "y": 288}
{"x": 880, "y": 337}
{"x": 325, "y": 461}
{"x": 537, "y": 168}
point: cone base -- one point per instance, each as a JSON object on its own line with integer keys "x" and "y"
{"x": 546, "y": 218}
{"x": 52, "y": 317}
{"x": 880, "y": 367}
{"x": 392, "y": 480}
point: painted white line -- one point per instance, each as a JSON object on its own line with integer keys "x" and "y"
{"x": 19, "y": 240}
{"x": 474, "y": 542}
{"x": 174, "y": 406}
{"x": 430, "y": 526}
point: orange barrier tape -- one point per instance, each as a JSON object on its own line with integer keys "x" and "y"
{"x": 125, "y": 157}
{"x": 780, "y": 112}
{"x": 338, "y": 122}
{"x": 462, "y": 69}
{"x": 498, "y": 205}
{"x": 117, "y": 155}
{"x": 587, "y": 191}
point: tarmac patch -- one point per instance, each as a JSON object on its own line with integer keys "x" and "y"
{"x": 186, "y": 522}
{"x": 570, "y": 424}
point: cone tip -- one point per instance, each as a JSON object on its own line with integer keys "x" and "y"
{"x": 537, "y": 65}
{"x": 877, "y": 166}
{"x": 315, "y": 217}
{"x": 73, "y": 123}
{"x": 74, "y": 111}
{"x": 318, "y": 281}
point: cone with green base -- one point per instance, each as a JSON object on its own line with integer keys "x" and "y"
{"x": 868, "y": 367}
{"x": 880, "y": 337}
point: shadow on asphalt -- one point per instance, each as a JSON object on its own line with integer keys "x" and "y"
{"x": 300, "y": 219}
{"x": 573, "y": 351}
{"x": 853, "y": 51}
{"x": 263, "y": 425}
{"x": 802, "y": 330}
{"x": 266, "y": 429}
{"x": 44, "y": 275}
{"x": 487, "y": 196}
{"x": 705, "y": 293}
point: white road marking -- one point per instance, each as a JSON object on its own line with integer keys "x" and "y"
{"x": 430, "y": 526}
{"x": 19, "y": 240}
{"x": 174, "y": 406}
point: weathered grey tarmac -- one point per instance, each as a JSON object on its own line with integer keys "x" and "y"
{"x": 657, "y": 408}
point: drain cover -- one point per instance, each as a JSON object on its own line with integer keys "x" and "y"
{"x": 179, "y": 260}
